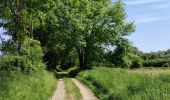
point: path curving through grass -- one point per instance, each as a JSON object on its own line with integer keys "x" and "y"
{"x": 86, "y": 93}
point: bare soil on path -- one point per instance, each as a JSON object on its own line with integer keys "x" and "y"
{"x": 59, "y": 94}
{"x": 86, "y": 93}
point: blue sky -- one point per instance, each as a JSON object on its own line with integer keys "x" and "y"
{"x": 152, "y": 20}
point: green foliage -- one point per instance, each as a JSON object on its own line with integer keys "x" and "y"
{"x": 155, "y": 62}
{"x": 7, "y": 46}
{"x": 85, "y": 27}
{"x": 73, "y": 71}
{"x": 156, "y": 55}
{"x": 23, "y": 76}
{"x": 166, "y": 65}
{"x": 29, "y": 60}
{"x": 70, "y": 31}
{"x": 18, "y": 16}
{"x": 32, "y": 50}
{"x": 156, "y": 59}
{"x": 137, "y": 63}
{"x": 124, "y": 55}
{"x": 120, "y": 84}
{"x": 16, "y": 63}
{"x": 19, "y": 86}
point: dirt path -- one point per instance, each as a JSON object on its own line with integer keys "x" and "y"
{"x": 85, "y": 92}
{"x": 59, "y": 94}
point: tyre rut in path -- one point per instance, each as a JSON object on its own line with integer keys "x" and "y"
{"x": 86, "y": 93}
{"x": 59, "y": 93}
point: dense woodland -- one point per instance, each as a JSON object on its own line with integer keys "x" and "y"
{"x": 61, "y": 34}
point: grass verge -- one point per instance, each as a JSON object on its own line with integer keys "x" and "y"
{"x": 120, "y": 84}
{"x": 19, "y": 86}
{"x": 73, "y": 92}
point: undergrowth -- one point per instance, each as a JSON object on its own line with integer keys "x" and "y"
{"x": 19, "y": 86}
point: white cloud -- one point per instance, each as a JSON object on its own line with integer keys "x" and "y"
{"x": 138, "y": 2}
{"x": 161, "y": 6}
{"x": 147, "y": 18}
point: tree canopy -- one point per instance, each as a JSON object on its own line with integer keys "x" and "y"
{"x": 70, "y": 31}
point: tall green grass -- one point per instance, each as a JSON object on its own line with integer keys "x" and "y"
{"x": 120, "y": 84}
{"x": 18, "y": 86}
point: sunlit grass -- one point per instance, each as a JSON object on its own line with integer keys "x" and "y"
{"x": 152, "y": 71}
{"x": 124, "y": 84}
{"x": 18, "y": 86}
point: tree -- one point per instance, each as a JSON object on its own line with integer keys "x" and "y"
{"x": 21, "y": 17}
{"x": 125, "y": 55}
{"x": 7, "y": 47}
{"x": 89, "y": 25}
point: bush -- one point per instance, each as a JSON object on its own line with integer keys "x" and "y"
{"x": 32, "y": 50}
{"x": 73, "y": 71}
{"x": 23, "y": 76}
{"x": 136, "y": 64}
{"x": 156, "y": 62}
{"x": 20, "y": 63}
{"x": 166, "y": 65}
{"x": 29, "y": 60}
{"x": 16, "y": 63}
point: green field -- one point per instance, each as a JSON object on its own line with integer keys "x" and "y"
{"x": 124, "y": 84}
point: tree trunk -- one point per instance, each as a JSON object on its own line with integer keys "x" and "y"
{"x": 83, "y": 59}
{"x": 31, "y": 30}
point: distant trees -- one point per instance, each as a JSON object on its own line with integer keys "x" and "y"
{"x": 156, "y": 59}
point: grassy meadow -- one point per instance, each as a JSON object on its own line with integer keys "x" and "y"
{"x": 19, "y": 86}
{"x": 125, "y": 84}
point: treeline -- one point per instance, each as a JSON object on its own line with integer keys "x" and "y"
{"x": 156, "y": 59}
{"x": 71, "y": 32}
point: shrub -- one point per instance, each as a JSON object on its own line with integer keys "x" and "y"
{"x": 136, "y": 64}
{"x": 166, "y": 65}
{"x": 73, "y": 71}
{"x": 16, "y": 63}
{"x": 156, "y": 62}
{"x": 23, "y": 76}
{"x": 29, "y": 60}
{"x": 32, "y": 50}
{"x": 20, "y": 63}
